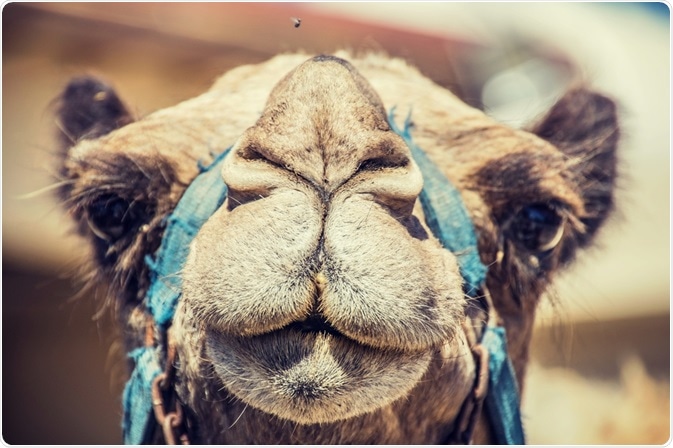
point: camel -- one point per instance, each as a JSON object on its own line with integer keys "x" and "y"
{"x": 319, "y": 249}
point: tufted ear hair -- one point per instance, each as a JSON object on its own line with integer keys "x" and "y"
{"x": 584, "y": 125}
{"x": 89, "y": 108}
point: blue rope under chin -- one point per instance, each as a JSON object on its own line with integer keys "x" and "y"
{"x": 446, "y": 216}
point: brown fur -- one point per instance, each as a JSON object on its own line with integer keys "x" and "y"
{"x": 317, "y": 307}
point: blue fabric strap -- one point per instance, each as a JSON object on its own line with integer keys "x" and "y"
{"x": 502, "y": 400}
{"x": 137, "y": 397}
{"x": 449, "y": 221}
{"x": 445, "y": 213}
{"x": 200, "y": 200}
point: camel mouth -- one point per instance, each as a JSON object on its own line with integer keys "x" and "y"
{"x": 315, "y": 323}
{"x": 309, "y": 372}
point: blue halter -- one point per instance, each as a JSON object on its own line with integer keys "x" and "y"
{"x": 202, "y": 198}
{"x": 449, "y": 221}
{"x": 446, "y": 216}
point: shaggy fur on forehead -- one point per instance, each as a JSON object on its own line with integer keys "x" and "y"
{"x": 317, "y": 306}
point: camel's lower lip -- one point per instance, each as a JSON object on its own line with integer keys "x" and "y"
{"x": 312, "y": 376}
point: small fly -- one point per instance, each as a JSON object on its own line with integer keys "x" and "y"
{"x": 296, "y": 21}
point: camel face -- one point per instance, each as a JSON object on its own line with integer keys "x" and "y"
{"x": 356, "y": 296}
{"x": 316, "y": 293}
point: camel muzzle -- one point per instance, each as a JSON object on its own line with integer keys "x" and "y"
{"x": 148, "y": 393}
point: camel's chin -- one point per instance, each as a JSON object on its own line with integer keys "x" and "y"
{"x": 312, "y": 377}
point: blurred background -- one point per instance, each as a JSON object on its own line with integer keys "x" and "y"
{"x": 600, "y": 372}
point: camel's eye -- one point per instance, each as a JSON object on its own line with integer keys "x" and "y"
{"x": 537, "y": 227}
{"x": 110, "y": 216}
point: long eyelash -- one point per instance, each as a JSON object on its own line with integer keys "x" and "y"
{"x": 48, "y": 189}
{"x": 91, "y": 192}
{"x": 139, "y": 166}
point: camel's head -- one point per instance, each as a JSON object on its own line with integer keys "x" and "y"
{"x": 316, "y": 292}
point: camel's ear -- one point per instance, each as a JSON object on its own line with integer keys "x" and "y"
{"x": 584, "y": 125}
{"x": 88, "y": 109}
